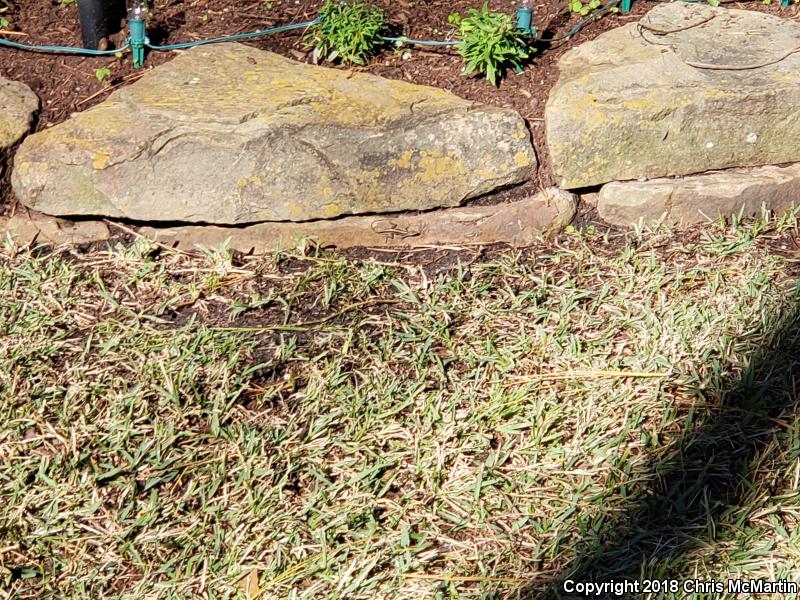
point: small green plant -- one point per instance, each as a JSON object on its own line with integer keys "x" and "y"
{"x": 491, "y": 42}
{"x": 4, "y": 22}
{"x": 102, "y": 74}
{"x": 348, "y": 31}
{"x": 583, "y": 7}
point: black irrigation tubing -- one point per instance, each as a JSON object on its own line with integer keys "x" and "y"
{"x": 584, "y": 22}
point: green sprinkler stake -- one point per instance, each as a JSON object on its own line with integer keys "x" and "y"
{"x": 524, "y": 22}
{"x": 137, "y": 13}
{"x": 525, "y": 17}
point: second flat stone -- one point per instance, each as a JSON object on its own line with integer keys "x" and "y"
{"x": 701, "y": 198}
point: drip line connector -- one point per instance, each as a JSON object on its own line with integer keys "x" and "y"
{"x": 137, "y": 25}
{"x": 525, "y": 17}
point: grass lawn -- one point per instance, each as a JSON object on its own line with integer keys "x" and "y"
{"x": 317, "y": 425}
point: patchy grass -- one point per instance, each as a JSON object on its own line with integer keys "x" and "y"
{"x": 320, "y": 426}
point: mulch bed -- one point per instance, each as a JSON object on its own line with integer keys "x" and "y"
{"x": 67, "y": 84}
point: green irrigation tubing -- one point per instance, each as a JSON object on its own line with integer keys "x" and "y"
{"x": 233, "y": 38}
{"x": 255, "y": 34}
{"x": 165, "y": 47}
{"x": 62, "y": 49}
{"x": 272, "y": 30}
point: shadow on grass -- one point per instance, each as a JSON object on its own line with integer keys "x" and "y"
{"x": 710, "y": 481}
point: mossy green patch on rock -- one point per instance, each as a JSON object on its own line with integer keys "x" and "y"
{"x": 231, "y": 134}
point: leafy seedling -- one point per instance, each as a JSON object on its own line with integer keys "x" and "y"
{"x": 102, "y": 74}
{"x": 348, "y": 31}
{"x": 491, "y": 42}
{"x": 4, "y": 22}
{"x": 583, "y": 8}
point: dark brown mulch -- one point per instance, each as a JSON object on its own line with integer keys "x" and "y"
{"x": 67, "y": 84}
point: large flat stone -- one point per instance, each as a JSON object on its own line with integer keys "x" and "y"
{"x": 699, "y": 198}
{"x": 628, "y": 104}
{"x": 517, "y": 223}
{"x": 231, "y": 134}
{"x": 18, "y": 104}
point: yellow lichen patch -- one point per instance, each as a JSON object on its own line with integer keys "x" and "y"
{"x": 332, "y": 210}
{"x": 716, "y": 94}
{"x": 430, "y": 169}
{"x": 101, "y": 160}
{"x": 274, "y": 81}
{"x": 520, "y": 134}
{"x": 404, "y": 161}
{"x": 585, "y": 108}
{"x": 296, "y": 211}
{"x": 95, "y": 131}
{"x": 325, "y": 187}
{"x": 522, "y": 159}
{"x": 486, "y": 173}
{"x": 436, "y": 165}
{"x": 639, "y": 103}
{"x": 8, "y": 133}
{"x": 246, "y": 183}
